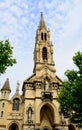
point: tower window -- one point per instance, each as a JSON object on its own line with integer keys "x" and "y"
{"x": 16, "y": 104}
{"x": 1, "y": 113}
{"x": 45, "y": 36}
{"x": 3, "y": 104}
{"x": 4, "y": 94}
{"x": 42, "y": 36}
{"x": 44, "y": 53}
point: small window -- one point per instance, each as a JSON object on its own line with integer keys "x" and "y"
{"x": 3, "y": 104}
{"x": 16, "y": 104}
{"x": 4, "y": 94}
{"x": 1, "y": 113}
{"x": 46, "y": 85}
{"x": 29, "y": 113}
{"x": 44, "y": 53}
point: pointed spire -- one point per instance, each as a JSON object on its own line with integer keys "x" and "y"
{"x": 6, "y": 85}
{"x": 42, "y": 22}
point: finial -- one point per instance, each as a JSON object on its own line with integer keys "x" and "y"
{"x": 17, "y": 86}
{"x": 41, "y": 14}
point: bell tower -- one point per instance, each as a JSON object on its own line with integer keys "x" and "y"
{"x": 43, "y": 52}
{"x": 41, "y": 88}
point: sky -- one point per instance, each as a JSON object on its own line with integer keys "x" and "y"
{"x": 19, "y": 20}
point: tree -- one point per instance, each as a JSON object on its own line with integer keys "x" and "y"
{"x": 70, "y": 96}
{"x": 6, "y": 58}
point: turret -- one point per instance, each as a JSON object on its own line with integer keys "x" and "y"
{"x": 5, "y": 91}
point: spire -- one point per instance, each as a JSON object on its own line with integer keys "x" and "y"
{"x": 42, "y": 22}
{"x": 6, "y": 85}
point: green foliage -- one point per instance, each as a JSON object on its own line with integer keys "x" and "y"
{"x": 70, "y": 96}
{"x": 6, "y": 58}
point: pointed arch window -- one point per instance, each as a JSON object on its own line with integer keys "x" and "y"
{"x": 44, "y": 54}
{"x": 45, "y": 37}
{"x": 42, "y": 36}
{"x": 16, "y": 104}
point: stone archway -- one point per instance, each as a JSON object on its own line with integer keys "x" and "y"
{"x": 47, "y": 117}
{"x": 51, "y": 107}
{"x": 14, "y": 126}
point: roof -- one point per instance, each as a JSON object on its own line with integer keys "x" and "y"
{"x": 6, "y": 85}
{"x": 42, "y": 22}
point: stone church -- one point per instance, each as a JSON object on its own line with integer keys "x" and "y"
{"x": 37, "y": 108}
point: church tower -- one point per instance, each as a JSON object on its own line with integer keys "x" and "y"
{"x": 43, "y": 52}
{"x": 41, "y": 109}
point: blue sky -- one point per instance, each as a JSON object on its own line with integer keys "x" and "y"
{"x": 19, "y": 20}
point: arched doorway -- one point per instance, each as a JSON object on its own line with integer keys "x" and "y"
{"x": 47, "y": 117}
{"x": 14, "y": 126}
{"x": 71, "y": 127}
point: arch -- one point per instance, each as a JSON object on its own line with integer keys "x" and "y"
{"x": 42, "y": 36}
{"x": 71, "y": 127}
{"x": 44, "y": 54}
{"x": 16, "y": 104}
{"x": 14, "y": 125}
{"x": 3, "y": 104}
{"x": 47, "y": 113}
{"x": 52, "y": 107}
{"x": 45, "y": 36}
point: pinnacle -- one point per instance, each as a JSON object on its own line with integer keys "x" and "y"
{"x": 6, "y": 85}
{"x": 42, "y": 22}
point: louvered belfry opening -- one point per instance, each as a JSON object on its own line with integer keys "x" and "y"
{"x": 44, "y": 54}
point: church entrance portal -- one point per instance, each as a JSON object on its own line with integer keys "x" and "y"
{"x": 14, "y": 127}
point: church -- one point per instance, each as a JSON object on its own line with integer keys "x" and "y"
{"x": 37, "y": 107}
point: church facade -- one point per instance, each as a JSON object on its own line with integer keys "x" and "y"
{"x": 37, "y": 108}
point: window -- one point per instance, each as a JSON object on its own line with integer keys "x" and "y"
{"x": 45, "y": 36}
{"x": 16, "y": 104}
{"x": 3, "y": 104}
{"x": 44, "y": 53}
{"x": 1, "y": 113}
{"x": 4, "y": 94}
{"x": 42, "y": 36}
